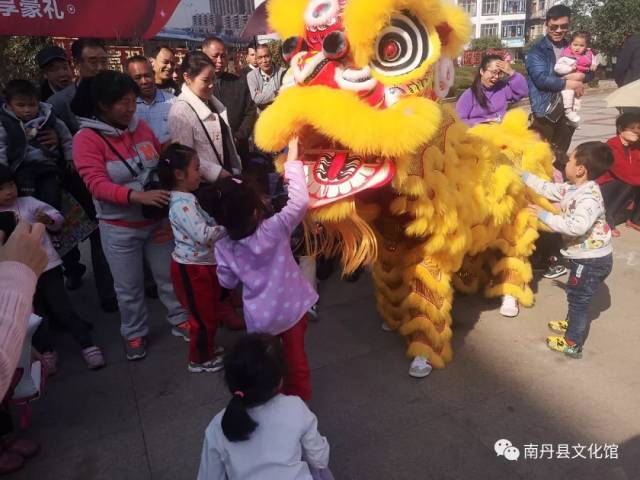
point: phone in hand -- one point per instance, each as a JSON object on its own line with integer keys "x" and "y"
{"x": 8, "y": 223}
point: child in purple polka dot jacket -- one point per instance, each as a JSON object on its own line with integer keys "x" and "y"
{"x": 256, "y": 252}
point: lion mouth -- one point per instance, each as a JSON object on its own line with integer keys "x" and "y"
{"x": 334, "y": 172}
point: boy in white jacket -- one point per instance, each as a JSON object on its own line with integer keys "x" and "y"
{"x": 587, "y": 235}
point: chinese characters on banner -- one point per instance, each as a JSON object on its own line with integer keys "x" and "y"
{"x": 85, "y": 18}
{"x": 33, "y": 9}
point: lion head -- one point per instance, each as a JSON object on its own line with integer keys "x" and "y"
{"x": 362, "y": 89}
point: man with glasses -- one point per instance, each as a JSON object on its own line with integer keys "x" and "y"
{"x": 545, "y": 86}
{"x": 90, "y": 58}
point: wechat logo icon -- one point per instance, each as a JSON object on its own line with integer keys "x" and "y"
{"x": 506, "y": 449}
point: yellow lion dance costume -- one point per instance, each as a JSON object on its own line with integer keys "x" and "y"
{"x": 395, "y": 179}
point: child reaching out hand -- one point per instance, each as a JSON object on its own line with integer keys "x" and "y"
{"x": 587, "y": 235}
{"x": 576, "y": 60}
{"x": 257, "y": 253}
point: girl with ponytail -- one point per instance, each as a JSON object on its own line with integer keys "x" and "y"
{"x": 193, "y": 266}
{"x": 262, "y": 433}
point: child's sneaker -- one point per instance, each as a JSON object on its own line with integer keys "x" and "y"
{"x": 559, "y": 344}
{"x": 181, "y": 331}
{"x": 509, "y": 307}
{"x": 572, "y": 116}
{"x": 93, "y": 357}
{"x": 136, "y": 348}
{"x": 420, "y": 368}
{"x": 558, "y": 326}
{"x": 555, "y": 271}
{"x": 50, "y": 363}
{"x": 213, "y": 365}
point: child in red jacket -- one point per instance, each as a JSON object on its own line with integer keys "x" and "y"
{"x": 621, "y": 184}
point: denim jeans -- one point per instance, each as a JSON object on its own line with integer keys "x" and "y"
{"x": 587, "y": 274}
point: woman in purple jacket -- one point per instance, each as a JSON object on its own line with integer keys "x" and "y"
{"x": 489, "y": 96}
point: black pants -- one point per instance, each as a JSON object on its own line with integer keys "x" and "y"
{"x": 52, "y": 301}
{"x": 558, "y": 134}
{"x": 73, "y": 184}
{"x": 617, "y": 196}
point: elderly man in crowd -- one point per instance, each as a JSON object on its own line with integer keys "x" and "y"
{"x": 56, "y": 70}
{"x": 90, "y": 58}
{"x": 265, "y": 82}
{"x": 153, "y": 104}
{"x": 233, "y": 92}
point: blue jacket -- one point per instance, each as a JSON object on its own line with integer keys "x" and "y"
{"x": 542, "y": 79}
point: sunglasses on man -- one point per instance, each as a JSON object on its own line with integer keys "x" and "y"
{"x": 563, "y": 27}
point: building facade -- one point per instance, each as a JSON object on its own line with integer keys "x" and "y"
{"x": 207, "y": 23}
{"x": 233, "y": 15}
{"x": 506, "y": 19}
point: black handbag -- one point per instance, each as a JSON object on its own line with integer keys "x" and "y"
{"x": 555, "y": 110}
{"x": 149, "y": 212}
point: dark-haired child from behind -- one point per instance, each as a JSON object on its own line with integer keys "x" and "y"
{"x": 193, "y": 266}
{"x": 257, "y": 253}
{"x": 262, "y": 433}
{"x": 583, "y": 225}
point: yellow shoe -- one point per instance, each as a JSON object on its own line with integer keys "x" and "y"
{"x": 559, "y": 344}
{"x": 558, "y": 326}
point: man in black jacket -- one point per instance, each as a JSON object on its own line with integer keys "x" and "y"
{"x": 627, "y": 69}
{"x": 56, "y": 70}
{"x": 233, "y": 93}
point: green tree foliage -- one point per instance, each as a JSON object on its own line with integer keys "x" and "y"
{"x": 486, "y": 43}
{"x": 608, "y": 21}
{"x": 18, "y": 58}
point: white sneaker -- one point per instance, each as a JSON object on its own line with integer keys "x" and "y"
{"x": 509, "y": 307}
{"x": 420, "y": 368}
{"x": 385, "y": 327}
{"x": 572, "y": 116}
{"x": 209, "y": 366}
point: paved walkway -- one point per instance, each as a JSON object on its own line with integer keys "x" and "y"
{"x": 145, "y": 420}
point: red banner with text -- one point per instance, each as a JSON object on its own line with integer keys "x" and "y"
{"x": 117, "y": 19}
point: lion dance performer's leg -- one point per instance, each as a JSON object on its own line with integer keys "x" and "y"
{"x": 511, "y": 270}
{"x": 415, "y": 298}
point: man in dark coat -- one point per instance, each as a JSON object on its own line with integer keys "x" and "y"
{"x": 233, "y": 92}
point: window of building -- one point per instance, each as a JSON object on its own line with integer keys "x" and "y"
{"x": 513, "y": 6}
{"x": 491, "y": 7}
{"x": 469, "y": 6}
{"x": 489, "y": 30}
{"x": 513, "y": 29}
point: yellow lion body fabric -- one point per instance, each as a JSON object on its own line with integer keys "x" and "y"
{"x": 395, "y": 178}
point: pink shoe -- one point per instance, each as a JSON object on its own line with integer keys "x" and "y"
{"x": 93, "y": 356}
{"x": 10, "y": 462}
{"x": 50, "y": 363}
{"x": 22, "y": 446}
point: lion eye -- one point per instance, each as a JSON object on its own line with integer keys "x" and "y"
{"x": 402, "y": 46}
